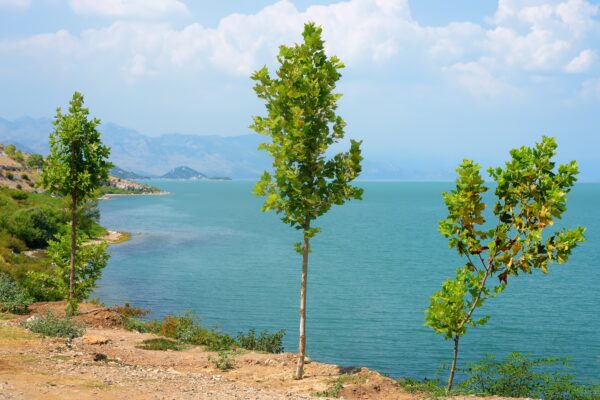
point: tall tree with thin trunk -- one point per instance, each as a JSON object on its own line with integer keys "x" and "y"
{"x": 302, "y": 124}
{"x": 77, "y": 165}
{"x": 531, "y": 194}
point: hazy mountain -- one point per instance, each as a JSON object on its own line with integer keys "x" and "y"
{"x": 183, "y": 173}
{"x": 235, "y": 156}
{"x": 213, "y": 156}
{"x": 123, "y": 174}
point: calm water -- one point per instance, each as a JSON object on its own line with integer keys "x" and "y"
{"x": 209, "y": 249}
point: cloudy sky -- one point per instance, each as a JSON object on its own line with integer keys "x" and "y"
{"x": 427, "y": 82}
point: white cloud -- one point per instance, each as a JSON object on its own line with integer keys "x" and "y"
{"x": 478, "y": 80}
{"x": 582, "y": 62}
{"x": 15, "y": 3}
{"x": 129, "y": 8}
{"x": 524, "y": 38}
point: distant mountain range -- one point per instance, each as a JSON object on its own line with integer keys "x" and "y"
{"x": 140, "y": 156}
{"x": 123, "y": 174}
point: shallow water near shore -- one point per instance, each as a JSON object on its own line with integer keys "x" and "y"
{"x": 209, "y": 249}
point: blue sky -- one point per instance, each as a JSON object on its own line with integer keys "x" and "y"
{"x": 427, "y": 82}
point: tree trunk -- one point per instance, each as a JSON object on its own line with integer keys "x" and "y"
{"x": 302, "y": 339}
{"x": 453, "y": 368}
{"x": 73, "y": 245}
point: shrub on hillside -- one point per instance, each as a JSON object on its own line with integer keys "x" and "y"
{"x": 127, "y": 311}
{"x": 185, "y": 328}
{"x": 265, "y": 341}
{"x": 12, "y": 243}
{"x": 520, "y": 376}
{"x": 55, "y": 326}
{"x": 10, "y": 176}
{"x": 16, "y": 194}
{"x": 10, "y": 150}
{"x": 13, "y": 299}
{"x": 35, "y": 226}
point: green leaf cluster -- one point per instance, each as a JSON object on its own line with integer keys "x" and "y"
{"x": 77, "y": 163}
{"x": 90, "y": 259}
{"x": 531, "y": 195}
{"x": 302, "y": 124}
{"x": 521, "y": 376}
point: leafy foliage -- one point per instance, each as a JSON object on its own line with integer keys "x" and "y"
{"x": 36, "y": 226}
{"x": 29, "y": 220}
{"x": 77, "y": 163}
{"x": 521, "y": 376}
{"x": 13, "y": 299}
{"x": 531, "y": 194}
{"x": 301, "y": 123}
{"x": 89, "y": 262}
{"x": 55, "y": 326}
{"x": 265, "y": 341}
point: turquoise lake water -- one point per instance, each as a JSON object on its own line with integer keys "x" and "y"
{"x": 209, "y": 249}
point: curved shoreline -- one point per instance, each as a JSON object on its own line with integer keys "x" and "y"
{"x": 109, "y": 196}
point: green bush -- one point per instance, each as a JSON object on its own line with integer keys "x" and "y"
{"x": 223, "y": 361}
{"x": 521, "y": 376}
{"x": 135, "y": 324}
{"x": 55, "y": 326}
{"x": 36, "y": 226}
{"x": 16, "y": 194}
{"x": 13, "y": 299}
{"x": 10, "y": 176}
{"x": 10, "y": 150}
{"x": 267, "y": 342}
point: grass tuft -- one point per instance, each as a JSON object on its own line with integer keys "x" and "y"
{"x": 160, "y": 344}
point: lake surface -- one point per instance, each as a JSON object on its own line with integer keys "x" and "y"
{"x": 209, "y": 249}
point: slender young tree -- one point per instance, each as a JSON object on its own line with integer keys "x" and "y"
{"x": 531, "y": 194}
{"x": 301, "y": 122}
{"x": 77, "y": 165}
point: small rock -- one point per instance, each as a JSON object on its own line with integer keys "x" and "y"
{"x": 100, "y": 357}
{"x": 94, "y": 340}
